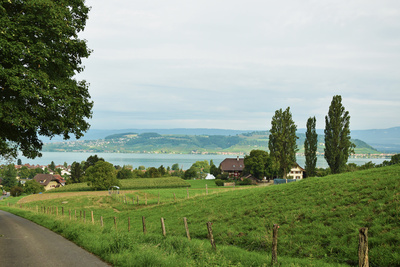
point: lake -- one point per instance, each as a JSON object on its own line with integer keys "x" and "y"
{"x": 156, "y": 160}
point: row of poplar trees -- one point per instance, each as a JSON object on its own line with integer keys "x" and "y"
{"x": 283, "y": 147}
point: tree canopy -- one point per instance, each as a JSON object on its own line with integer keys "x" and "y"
{"x": 310, "y": 147}
{"x": 337, "y": 136}
{"x": 282, "y": 140}
{"x": 40, "y": 53}
{"x": 101, "y": 176}
{"x": 259, "y": 164}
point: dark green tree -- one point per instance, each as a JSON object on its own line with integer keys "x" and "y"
{"x": 52, "y": 166}
{"x": 395, "y": 159}
{"x": 91, "y": 161}
{"x": 76, "y": 173}
{"x": 152, "y": 172}
{"x": 24, "y": 172}
{"x": 190, "y": 173}
{"x": 282, "y": 140}
{"x": 310, "y": 147}
{"x": 259, "y": 164}
{"x": 337, "y": 136}
{"x": 9, "y": 177}
{"x": 124, "y": 173}
{"x": 214, "y": 170}
{"x": 162, "y": 170}
{"x": 175, "y": 167}
{"x": 40, "y": 53}
{"x": 101, "y": 176}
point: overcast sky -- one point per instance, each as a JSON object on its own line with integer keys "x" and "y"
{"x": 232, "y": 64}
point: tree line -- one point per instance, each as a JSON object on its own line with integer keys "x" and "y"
{"x": 283, "y": 146}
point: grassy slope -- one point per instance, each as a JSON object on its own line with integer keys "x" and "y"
{"x": 319, "y": 218}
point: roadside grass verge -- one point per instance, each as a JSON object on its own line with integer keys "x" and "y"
{"x": 120, "y": 248}
{"x": 319, "y": 218}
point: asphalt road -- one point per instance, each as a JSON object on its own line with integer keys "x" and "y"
{"x": 24, "y": 243}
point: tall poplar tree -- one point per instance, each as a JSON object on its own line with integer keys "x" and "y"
{"x": 40, "y": 54}
{"x": 337, "y": 136}
{"x": 310, "y": 147}
{"x": 282, "y": 140}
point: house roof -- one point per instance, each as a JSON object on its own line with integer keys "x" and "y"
{"x": 59, "y": 178}
{"x": 232, "y": 164}
{"x": 45, "y": 179}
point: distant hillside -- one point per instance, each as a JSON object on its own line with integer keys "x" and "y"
{"x": 132, "y": 142}
{"x": 385, "y": 140}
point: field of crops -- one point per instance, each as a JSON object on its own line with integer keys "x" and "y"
{"x": 129, "y": 184}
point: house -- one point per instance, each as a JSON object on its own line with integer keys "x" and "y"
{"x": 296, "y": 172}
{"x": 233, "y": 166}
{"x": 59, "y": 179}
{"x": 49, "y": 181}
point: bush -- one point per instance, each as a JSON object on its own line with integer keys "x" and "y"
{"x": 16, "y": 191}
{"x": 219, "y": 182}
{"x": 245, "y": 181}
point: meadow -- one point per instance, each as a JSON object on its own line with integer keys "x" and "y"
{"x": 319, "y": 220}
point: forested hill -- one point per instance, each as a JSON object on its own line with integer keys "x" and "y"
{"x": 174, "y": 143}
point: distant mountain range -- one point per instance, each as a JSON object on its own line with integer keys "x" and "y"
{"x": 210, "y": 140}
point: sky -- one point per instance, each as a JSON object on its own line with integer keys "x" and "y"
{"x": 231, "y": 64}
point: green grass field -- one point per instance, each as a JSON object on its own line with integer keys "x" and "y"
{"x": 319, "y": 220}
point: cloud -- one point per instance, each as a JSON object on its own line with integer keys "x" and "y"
{"x": 227, "y": 64}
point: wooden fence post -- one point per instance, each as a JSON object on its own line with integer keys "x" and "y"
{"x": 115, "y": 222}
{"x": 275, "y": 244}
{"x": 84, "y": 216}
{"x": 91, "y": 213}
{"x": 186, "y": 227}
{"x": 101, "y": 221}
{"x": 210, "y": 235}
{"x": 75, "y": 216}
{"x": 129, "y": 224}
{"x": 187, "y": 192}
{"x": 144, "y": 225}
{"x": 363, "y": 248}
{"x": 158, "y": 198}
{"x": 62, "y": 212}
{"x": 206, "y": 189}
{"x": 174, "y": 197}
{"x": 163, "y": 227}
{"x": 137, "y": 201}
{"x": 57, "y": 211}
{"x": 145, "y": 197}
{"x": 69, "y": 211}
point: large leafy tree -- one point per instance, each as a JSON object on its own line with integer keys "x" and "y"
{"x": 40, "y": 53}
{"x": 282, "y": 140}
{"x": 310, "y": 147}
{"x": 102, "y": 175}
{"x": 337, "y": 136}
{"x": 259, "y": 164}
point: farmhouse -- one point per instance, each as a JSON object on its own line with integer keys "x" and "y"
{"x": 233, "y": 166}
{"x": 49, "y": 181}
{"x": 296, "y": 172}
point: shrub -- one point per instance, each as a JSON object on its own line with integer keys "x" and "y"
{"x": 219, "y": 182}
